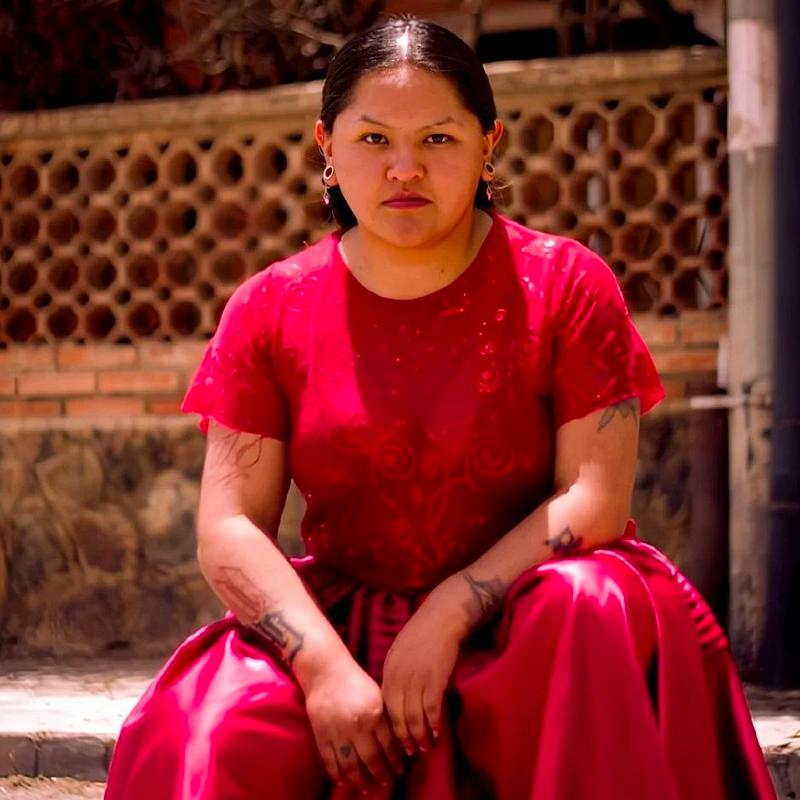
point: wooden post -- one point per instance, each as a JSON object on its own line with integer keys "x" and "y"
{"x": 752, "y": 133}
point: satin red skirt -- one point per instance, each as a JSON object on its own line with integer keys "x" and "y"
{"x": 605, "y": 677}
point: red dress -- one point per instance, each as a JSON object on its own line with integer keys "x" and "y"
{"x": 420, "y": 431}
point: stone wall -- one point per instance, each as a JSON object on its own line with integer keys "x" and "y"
{"x": 98, "y": 545}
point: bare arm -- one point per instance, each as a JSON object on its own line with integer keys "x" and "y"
{"x": 242, "y": 495}
{"x": 594, "y": 475}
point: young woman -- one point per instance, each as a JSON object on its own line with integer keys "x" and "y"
{"x": 458, "y": 399}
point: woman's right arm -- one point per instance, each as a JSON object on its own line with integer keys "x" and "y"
{"x": 242, "y": 494}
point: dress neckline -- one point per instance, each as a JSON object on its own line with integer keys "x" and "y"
{"x": 456, "y": 284}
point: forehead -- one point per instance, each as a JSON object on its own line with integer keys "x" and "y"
{"x": 403, "y": 94}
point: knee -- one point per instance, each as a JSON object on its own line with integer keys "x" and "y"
{"x": 590, "y": 591}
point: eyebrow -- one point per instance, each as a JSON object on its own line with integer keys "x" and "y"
{"x": 445, "y": 121}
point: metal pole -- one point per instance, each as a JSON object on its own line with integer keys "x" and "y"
{"x": 751, "y": 142}
{"x": 782, "y": 650}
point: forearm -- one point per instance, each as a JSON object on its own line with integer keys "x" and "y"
{"x": 569, "y": 522}
{"x": 250, "y": 575}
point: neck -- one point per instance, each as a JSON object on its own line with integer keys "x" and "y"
{"x": 407, "y": 272}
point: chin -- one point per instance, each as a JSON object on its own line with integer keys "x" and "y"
{"x": 409, "y": 229}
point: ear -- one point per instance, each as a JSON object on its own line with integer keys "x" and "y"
{"x": 491, "y": 140}
{"x": 325, "y": 142}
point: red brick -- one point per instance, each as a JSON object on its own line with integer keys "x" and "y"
{"x": 55, "y": 383}
{"x": 105, "y": 407}
{"x": 680, "y": 361}
{"x": 180, "y": 355}
{"x": 703, "y": 330}
{"x": 137, "y": 382}
{"x": 26, "y": 409}
{"x": 165, "y": 406}
{"x": 7, "y": 385}
{"x": 674, "y": 389}
{"x": 27, "y": 358}
{"x": 97, "y": 356}
{"x": 656, "y": 332}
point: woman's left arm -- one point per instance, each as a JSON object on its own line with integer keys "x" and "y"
{"x": 595, "y": 468}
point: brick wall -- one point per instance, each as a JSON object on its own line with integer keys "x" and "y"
{"x": 91, "y": 381}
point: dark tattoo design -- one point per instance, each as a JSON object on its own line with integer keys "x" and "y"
{"x": 250, "y": 604}
{"x": 239, "y": 457}
{"x": 625, "y": 408}
{"x": 485, "y": 598}
{"x": 566, "y": 543}
{"x": 276, "y": 630}
{"x": 346, "y": 750}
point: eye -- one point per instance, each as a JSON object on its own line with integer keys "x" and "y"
{"x": 440, "y": 138}
{"x": 371, "y": 137}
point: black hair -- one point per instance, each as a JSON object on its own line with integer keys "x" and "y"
{"x": 431, "y": 47}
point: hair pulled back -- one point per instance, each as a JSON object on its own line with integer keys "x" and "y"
{"x": 414, "y": 42}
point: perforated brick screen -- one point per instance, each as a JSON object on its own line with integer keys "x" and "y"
{"x": 137, "y": 221}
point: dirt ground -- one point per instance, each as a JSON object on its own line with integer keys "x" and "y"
{"x": 21, "y": 788}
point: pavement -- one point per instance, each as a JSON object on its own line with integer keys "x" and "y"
{"x": 59, "y": 722}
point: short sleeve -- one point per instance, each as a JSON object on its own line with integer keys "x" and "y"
{"x": 599, "y": 357}
{"x": 235, "y": 383}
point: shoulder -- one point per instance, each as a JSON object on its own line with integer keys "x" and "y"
{"x": 269, "y": 286}
{"x": 562, "y": 264}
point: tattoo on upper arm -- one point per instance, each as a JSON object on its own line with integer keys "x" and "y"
{"x": 625, "y": 408}
{"x": 486, "y": 596}
{"x": 238, "y": 591}
{"x": 242, "y": 456}
{"x": 566, "y": 543}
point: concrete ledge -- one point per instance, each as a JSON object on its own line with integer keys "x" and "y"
{"x": 61, "y": 720}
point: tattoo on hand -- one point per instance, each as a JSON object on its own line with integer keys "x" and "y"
{"x": 249, "y": 603}
{"x": 625, "y": 408}
{"x": 486, "y": 597}
{"x": 346, "y": 750}
{"x": 566, "y": 543}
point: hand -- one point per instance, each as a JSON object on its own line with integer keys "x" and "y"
{"x": 345, "y": 708}
{"x": 418, "y": 667}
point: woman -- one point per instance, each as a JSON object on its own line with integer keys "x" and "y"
{"x": 458, "y": 398}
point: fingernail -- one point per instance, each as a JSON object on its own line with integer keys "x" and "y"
{"x": 436, "y": 734}
{"x": 423, "y": 748}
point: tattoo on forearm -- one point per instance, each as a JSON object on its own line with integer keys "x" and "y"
{"x": 276, "y": 630}
{"x": 240, "y": 593}
{"x": 566, "y": 543}
{"x": 625, "y": 408}
{"x": 251, "y": 604}
{"x": 485, "y": 597}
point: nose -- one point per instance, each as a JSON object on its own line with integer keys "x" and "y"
{"x": 405, "y": 167}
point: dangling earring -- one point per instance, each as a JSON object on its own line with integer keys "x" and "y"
{"x": 489, "y": 167}
{"x": 327, "y": 174}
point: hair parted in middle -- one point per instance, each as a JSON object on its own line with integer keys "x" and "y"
{"x": 406, "y": 41}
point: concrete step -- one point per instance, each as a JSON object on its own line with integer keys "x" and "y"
{"x": 61, "y": 720}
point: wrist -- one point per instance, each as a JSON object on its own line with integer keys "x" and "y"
{"x": 449, "y": 599}
{"x": 321, "y": 657}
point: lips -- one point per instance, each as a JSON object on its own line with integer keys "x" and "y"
{"x": 406, "y": 200}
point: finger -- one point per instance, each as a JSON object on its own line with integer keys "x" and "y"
{"x": 396, "y": 714}
{"x": 415, "y": 716}
{"x": 390, "y": 746}
{"x": 328, "y": 755}
{"x": 347, "y": 759}
{"x": 432, "y": 708}
{"x": 371, "y": 756}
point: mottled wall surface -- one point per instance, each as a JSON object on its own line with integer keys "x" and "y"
{"x": 97, "y": 533}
